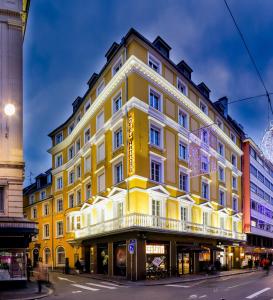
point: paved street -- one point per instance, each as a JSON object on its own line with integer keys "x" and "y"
{"x": 246, "y": 286}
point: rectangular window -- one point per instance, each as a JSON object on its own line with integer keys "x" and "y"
{"x": 87, "y": 164}
{"x": 117, "y": 103}
{"x": 60, "y": 228}
{"x": 233, "y": 137}
{"x": 253, "y": 153}
{"x": 87, "y": 106}
{"x": 34, "y": 212}
{"x": 204, "y": 136}
{"x": 183, "y": 118}
{"x": 46, "y": 209}
{"x": 78, "y": 145}
{"x": 59, "y": 183}
{"x": 100, "y": 87}
{"x": 181, "y": 86}
{"x": 183, "y": 151}
{"x": 156, "y": 171}
{"x": 222, "y": 198}
{"x": 58, "y": 160}
{"x": 58, "y": 138}
{"x": 221, "y": 149}
{"x": 206, "y": 218}
{"x": 87, "y": 191}
{"x": 101, "y": 182}
{"x": 78, "y": 118}
{"x": 59, "y": 205}
{"x": 2, "y": 200}
{"x": 234, "y": 182}
{"x": 155, "y": 100}
{"x": 46, "y": 231}
{"x": 120, "y": 209}
{"x": 71, "y": 177}
{"x": 118, "y": 138}
{"x": 101, "y": 152}
{"x": 261, "y": 177}
{"x": 78, "y": 222}
{"x": 222, "y": 222}
{"x": 205, "y": 190}
{"x": 78, "y": 197}
{"x": 118, "y": 173}
{"x": 155, "y": 136}
{"x": 221, "y": 173}
{"x": 219, "y": 123}
{"x": 71, "y": 202}
{"x": 203, "y": 107}
{"x": 184, "y": 213}
{"x": 204, "y": 163}
{"x": 71, "y": 152}
{"x": 154, "y": 63}
{"x": 70, "y": 128}
{"x": 234, "y": 160}
{"x": 117, "y": 66}
{"x": 78, "y": 171}
{"x": 183, "y": 181}
{"x": 87, "y": 135}
{"x": 234, "y": 203}
{"x": 253, "y": 170}
{"x": 156, "y": 208}
{"x": 42, "y": 195}
{"x": 31, "y": 198}
{"x": 100, "y": 120}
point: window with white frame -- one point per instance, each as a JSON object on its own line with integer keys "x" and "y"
{"x": 78, "y": 222}
{"x": 117, "y": 103}
{"x": 156, "y": 207}
{"x": 60, "y": 253}
{"x": 234, "y": 182}
{"x": 101, "y": 182}
{"x": 78, "y": 145}
{"x": 59, "y": 205}
{"x": 78, "y": 118}
{"x": 233, "y": 137}
{"x": 117, "y": 66}
{"x": 184, "y": 213}
{"x": 155, "y": 135}
{"x": 87, "y": 106}
{"x": 42, "y": 195}
{"x": 70, "y": 128}
{"x": 118, "y": 173}
{"x": 205, "y": 136}
{"x": 219, "y": 123}
{"x": 234, "y": 160}
{"x": 71, "y": 152}
{"x": 205, "y": 189}
{"x": 71, "y": 202}
{"x": 87, "y": 135}
{"x": 59, "y": 228}
{"x": 78, "y": 197}
{"x": 34, "y": 213}
{"x": 100, "y": 88}
{"x": 183, "y": 118}
{"x": 203, "y": 107}
{"x": 235, "y": 226}
{"x": 59, "y": 183}
{"x": 31, "y": 199}
{"x": 221, "y": 148}
{"x": 118, "y": 138}
{"x": 46, "y": 231}
{"x": 222, "y": 222}
{"x": 221, "y": 173}
{"x": 182, "y": 87}
{"x": 154, "y": 63}
{"x": 155, "y": 100}
{"x": 235, "y": 203}
{"x": 87, "y": 191}
{"x": 222, "y": 197}
{"x": 87, "y": 164}
{"x": 204, "y": 163}
{"x": 78, "y": 171}
{"x": 183, "y": 181}
{"x": 206, "y": 218}
{"x": 100, "y": 152}
{"x": 71, "y": 177}
{"x": 100, "y": 120}
{"x": 46, "y": 209}
{"x": 156, "y": 170}
{"x": 183, "y": 151}
{"x": 120, "y": 208}
{"x": 58, "y": 138}
{"x": 58, "y": 160}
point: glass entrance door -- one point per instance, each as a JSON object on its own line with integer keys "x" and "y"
{"x": 184, "y": 263}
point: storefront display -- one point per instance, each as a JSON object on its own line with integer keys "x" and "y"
{"x": 12, "y": 264}
{"x": 120, "y": 258}
{"x": 157, "y": 259}
{"x": 102, "y": 258}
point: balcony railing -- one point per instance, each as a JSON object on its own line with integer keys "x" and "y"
{"x": 147, "y": 222}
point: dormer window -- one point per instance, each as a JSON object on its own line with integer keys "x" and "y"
{"x": 181, "y": 86}
{"x": 219, "y": 123}
{"x": 203, "y": 107}
{"x": 38, "y": 183}
{"x": 58, "y": 138}
{"x": 117, "y": 66}
{"x": 154, "y": 63}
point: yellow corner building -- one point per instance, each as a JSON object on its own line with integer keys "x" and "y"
{"x": 146, "y": 173}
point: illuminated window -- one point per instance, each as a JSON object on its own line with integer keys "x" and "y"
{"x": 155, "y": 249}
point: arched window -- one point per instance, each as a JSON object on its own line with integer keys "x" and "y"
{"x": 46, "y": 256}
{"x": 60, "y": 256}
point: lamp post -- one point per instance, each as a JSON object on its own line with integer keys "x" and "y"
{"x": 9, "y": 110}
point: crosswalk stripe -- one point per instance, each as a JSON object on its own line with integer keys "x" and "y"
{"x": 110, "y": 283}
{"x": 178, "y": 285}
{"x": 257, "y": 293}
{"x": 102, "y": 286}
{"x": 85, "y": 287}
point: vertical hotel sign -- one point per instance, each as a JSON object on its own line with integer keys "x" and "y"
{"x": 131, "y": 149}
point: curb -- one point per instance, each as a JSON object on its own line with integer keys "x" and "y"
{"x": 50, "y": 291}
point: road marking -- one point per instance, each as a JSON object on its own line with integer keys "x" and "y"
{"x": 257, "y": 293}
{"x": 203, "y": 296}
{"x": 110, "y": 283}
{"x": 76, "y": 292}
{"x": 62, "y": 278}
{"x": 85, "y": 287}
{"x": 236, "y": 285}
{"x": 178, "y": 285}
{"x": 193, "y": 296}
{"x": 102, "y": 286}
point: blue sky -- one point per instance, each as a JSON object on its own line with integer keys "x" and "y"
{"x": 66, "y": 41}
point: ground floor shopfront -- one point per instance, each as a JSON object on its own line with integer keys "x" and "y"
{"x": 168, "y": 255}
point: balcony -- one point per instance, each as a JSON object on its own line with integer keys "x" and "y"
{"x": 153, "y": 223}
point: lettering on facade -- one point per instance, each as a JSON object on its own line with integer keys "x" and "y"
{"x": 131, "y": 144}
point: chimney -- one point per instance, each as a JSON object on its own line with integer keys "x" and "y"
{"x": 76, "y": 103}
{"x": 162, "y": 46}
{"x": 205, "y": 91}
{"x": 185, "y": 69}
{"x": 92, "y": 80}
{"x": 222, "y": 104}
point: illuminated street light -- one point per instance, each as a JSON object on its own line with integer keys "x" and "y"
{"x": 9, "y": 109}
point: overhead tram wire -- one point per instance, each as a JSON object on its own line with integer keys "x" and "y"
{"x": 251, "y": 57}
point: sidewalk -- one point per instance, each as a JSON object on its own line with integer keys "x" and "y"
{"x": 25, "y": 293}
{"x": 169, "y": 280}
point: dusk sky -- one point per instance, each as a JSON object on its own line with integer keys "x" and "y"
{"x": 66, "y": 41}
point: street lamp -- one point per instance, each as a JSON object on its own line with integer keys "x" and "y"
{"x": 9, "y": 109}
